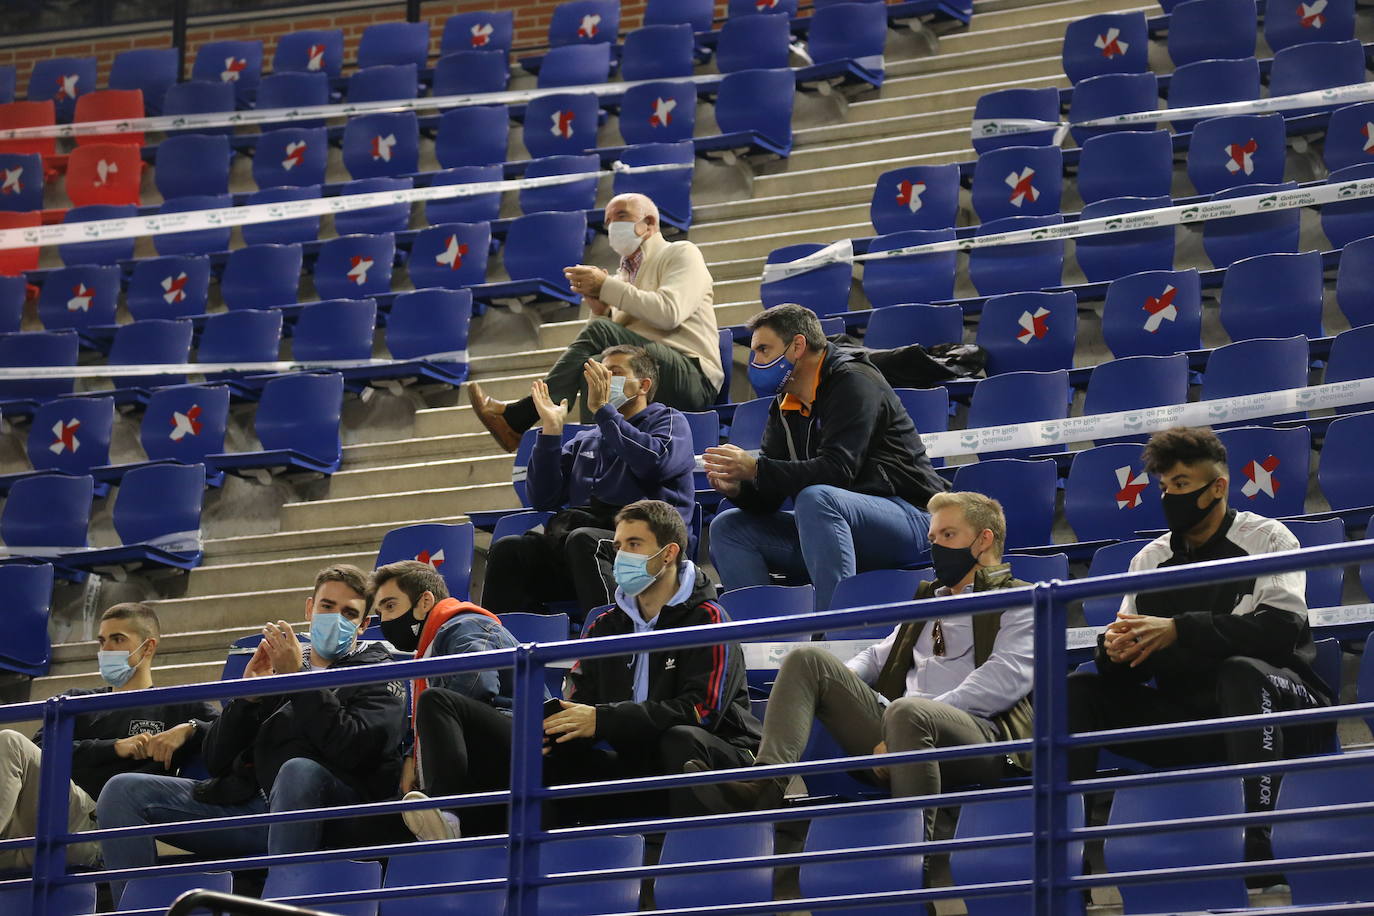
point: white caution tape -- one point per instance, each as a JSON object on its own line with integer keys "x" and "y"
{"x": 1126, "y": 222}
{"x": 29, "y": 373}
{"x": 174, "y": 542}
{"x": 1317, "y": 98}
{"x": 226, "y": 217}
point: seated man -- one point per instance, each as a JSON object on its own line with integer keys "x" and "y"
{"x": 655, "y": 710}
{"x": 456, "y": 717}
{"x": 637, "y": 450}
{"x": 661, "y": 300}
{"x": 141, "y": 739}
{"x": 931, "y": 683}
{"x": 841, "y": 445}
{"x": 1221, "y": 649}
{"x": 307, "y": 749}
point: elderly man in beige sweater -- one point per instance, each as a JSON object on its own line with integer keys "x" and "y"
{"x": 660, "y": 299}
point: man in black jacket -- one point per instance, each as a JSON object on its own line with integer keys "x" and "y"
{"x": 841, "y": 446}
{"x": 655, "y": 710}
{"x": 306, "y": 749}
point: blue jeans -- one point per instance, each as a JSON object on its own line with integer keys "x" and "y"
{"x": 135, "y": 799}
{"x": 833, "y": 534}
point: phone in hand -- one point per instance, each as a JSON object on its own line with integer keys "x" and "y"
{"x": 552, "y": 706}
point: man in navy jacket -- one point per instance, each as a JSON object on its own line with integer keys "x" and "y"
{"x": 636, "y": 449}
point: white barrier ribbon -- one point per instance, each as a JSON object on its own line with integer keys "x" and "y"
{"x": 983, "y": 128}
{"x": 30, "y": 373}
{"x": 227, "y": 217}
{"x": 173, "y": 542}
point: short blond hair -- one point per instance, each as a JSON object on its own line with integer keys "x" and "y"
{"x": 980, "y": 511}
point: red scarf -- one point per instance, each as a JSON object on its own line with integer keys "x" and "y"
{"x": 438, "y": 615}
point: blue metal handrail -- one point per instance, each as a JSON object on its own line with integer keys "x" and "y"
{"x": 1051, "y": 837}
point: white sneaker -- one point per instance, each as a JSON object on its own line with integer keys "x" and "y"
{"x": 429, "y": 824}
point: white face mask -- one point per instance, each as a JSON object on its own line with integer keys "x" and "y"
{"x": 624, "y": 241}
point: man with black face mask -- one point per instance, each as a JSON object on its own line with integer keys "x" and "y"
{"x": 931, "y": 683}
{"x": 1220, "y": 649}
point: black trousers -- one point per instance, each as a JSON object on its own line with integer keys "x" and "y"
{"x": 1244, "y": 687}
{"x": 524, "y": 572}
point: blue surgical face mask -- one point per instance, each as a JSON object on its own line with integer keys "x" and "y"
{"x": 618, "y": 398}
{"x": 769, "y": 378}
{"x": 114, "y": 666}
{"x": 631, "y": 571}
{"x": 331, "y": 635}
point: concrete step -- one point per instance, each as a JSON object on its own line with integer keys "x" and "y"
{"x": 86, "y": 667}
{"x": 848, "y": 222}
{"x": 385, "y": 454}
{"x": 296, "y": 572}
{"x": 448, "y": 421}
{"x": 200, "y": 672}
{"x": 784, "y": 184}
{"x": 340, "y": 540}
{"x": 798, "y": 220}
{"x": 845, "y": 153}
{"x": 993, "y": 29}
{"x": 852, "y": 130}
{"x": 924, "y": 94}
{"x": 457, "y": 472}
{"x": 400, "y": 508}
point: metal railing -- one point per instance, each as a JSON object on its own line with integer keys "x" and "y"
{"x": 1052, "y": 838}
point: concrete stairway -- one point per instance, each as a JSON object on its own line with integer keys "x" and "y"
{"x": 436, "y": 463}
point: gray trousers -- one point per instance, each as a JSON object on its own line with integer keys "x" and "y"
{"x": 813, "y": 684}
{"x": 19, "y": 763}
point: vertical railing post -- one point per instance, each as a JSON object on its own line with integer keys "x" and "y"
{"x": 412, "y": 10}
{"x": 1051, "y": 757}
{"x": 526, "y": 778}
{"x": 54, "y": 786}
{"x": 179, "y": 17}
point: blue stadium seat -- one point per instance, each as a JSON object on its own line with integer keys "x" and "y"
{"x": 1136, "y": 383}
{"x": 335, "y": 329}
{"x": 746, "y": 430}
{"x": 573, "y": 195}
{"x": 854, "y": 34}
{"x": 192, "y": 164}
{"x": 1323, "y": 585}
{"x": 1344, "y": 221}
{"x": 755, "y": 602}
{"x": 355, "y": 266}
{"x": 927, "y": 407}
{"x": 1269, "y": 468}
{"x": 21, "y": 182}
{"x": 615, "y": 895}
{"x": 110, "y": 252}
{"x": 750, "y": 7}
{"x": 1106, "y": 43}
{"x": 374, "y": 220}
{"x": 67, "y": 899}
{"x": 1355, "y": 282}
{"x": 1108, "y": 257}
{"x": 1029, "y": 331}
{"x": 200, "y": 97}
{"x": 27, "y": 650}
{"x": 488, "y": 30}
{"x": 383, "y": 83}
{"x": 161, "y": 892}
{"x": 47, "y": 511}
{"x": 1155, "y": 313}
{"x": 657, "y": 52}
{"x": 671, "y": 190}
{"x": 754, "y": 109}
{"x": 1026, "y": 490}
{"x": 428, "y": 328}
{"x": 149, "y": 342}
{"x": 1019, "y": 397}
{"x": 705, "y": 429}
{"x": 1285, "y": 26}
{"x": 728, "y": 841}
{"x": 1212, "y": 30}
{"x": 305, "y": 881}
{"x": 261, "y": 276}
{"x": 661, "y": 112}
{"x": 518, "y": 523}
{"x": 7, "y": 83}
{"x": 283, "y": 231}
{"x": 575, "y": 65}
{"x": 450, "y": 255}
{"x": 1238, "y": 150}
{"x": 824, "y": 290}
{"x": 466, "y": 864}
{"x": 1111, "y": 560}
{"x": 36, "y": 348}
{"x": 448, "y": 548}
{"x": 989, "y": 865}
{"x": 382, "y": 145}
{"x": 157, "y": 517}
{"x": 1273, "y": 295}
{"x": 915, "y": 197}
{"x": 473, "y": 135}
{"x": 472, "y": 208}
{"x": 240, "y": 336}
{"x": 13, "y": 291}
{"x": 311, "y": 51}
{"x": 1128, "y": 163}
{"x": 185, "y": 423}
{"x": 540, "y": 245}
{"x": 582, "y": 21}
{"x": 880, "y": 874}
{"x": 291, "y": 156}
{"x": 203, "y": 241}
{"x": 927, "y": 325}
{"x": 1229, "y": 240}
{"x": 699, "y": 14}
{"x": 1349, "y": 360}
{"x": 531, "y": 627}
{"x": 235, "y": 63}
{"x": 466, "y": 72}
{"x": 1344, "y": 469}
{"x": 1348, "y": 137}
{"x": 394, "y": 43}
{"x": 152, "y": 71}
{"x": 62, "y": 79}
{"x": 1108, "y": 495}
{"x": 1184, "y": 848}
{"x": 1039, "y": 567}
{"x": 1253, "y": 366}
{"x": 298, "y": 89}
{"x": 79, "y": 297}
{"x": 557, "y": 125}
{"x": 1028, "y": 104}
{"x": 298, "y": 425}
{"x": 1018, "y": 181}
{"x": 1317, "y": 65}
{"x": 911, "y": 278}
{"x": 1112, "y": 94}
{"x": 1210, "y": 82}
{"x": 1301, "y": 839}
{"x": 68, "y": 436}
{"x": 1015, "y": 268}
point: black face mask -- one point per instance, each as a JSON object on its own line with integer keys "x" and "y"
{"x": 1181, "y": 511}
{"x": 952, "y": 563}
{"x": 403, "y": 631}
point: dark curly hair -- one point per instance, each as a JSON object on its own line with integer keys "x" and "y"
{"x": 1186, "y": 444}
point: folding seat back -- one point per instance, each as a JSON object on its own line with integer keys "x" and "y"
{"x": 699, "y": 14}
{"x": 749, "y": 42}
{"x": 903, "y": 279}
{"x": 48, "y": 510}
{"x": 79, "y": 297}
{"x": 540, "y": 245}
{"x": 574, "y": 195}
{"x": 1110, "y": 560}
{"x": 488, "y": 30}
{"x": 21, "y": 182}
{"x": 1254, "y": 366}
{"x": 1303, "y": 838}
{"x": 1304, "y": 22}
{"x": 467, "y": 72}
{"x": 583, "y": 21}
{"x": 474, "y": 135}
{"x": 14, "y": 261}
{"x": 295, "y": 89}
{"x": 300, "y": 413}
{"x": 575, "y": 65}
{"x": 311, "y": 51}
{"x": 1019, "y": 397}
{"x": 1229, "y": 152}
{"x": 199, "y": 241}
{"x": 1027, "y": 104}
{"x": 384, "y": 144}
{"x": 662, "y": 112}
{"x": 7, "y": 84}
{"x": 658, "y": 52}
{"x": 1210, "y": 82}
{"x": 915, "y": 197}
{"x": 1128, "y": 163}
{"x": 355, "y": 266}
{"x": 1029, "y": 331}
{"x": 430, "y": 324}
{"x": 1323, "y": 585}
{"x": 1006, "y": 863}
{"x": 110, "y": 105}
{"x": 13, "y": 292}
{"x": 448, "y": 548}
{"x": 1026, "y": 490}
{"x": 915, "y": 323}
{"x": 1348, "y": 360}
{"x": 62, "y": 79}
{"x": 1344, "y": 469}
{"x": 161, "y": 892}
{"x": 1269, "y": 468}
{"x": 1107, "y": 43}
{"x": 1015, "y": 268}
{"x": 883, "y": 874}
{"x": 1153, "y": 313}
{"x": 37, "y": 348}
{"x": 928, "y": 408}
{"x": 151, "y": 342}
{"x": 310, "y": 879}
{"x": 292, "y": 156}
{"x": 1212, "y": 30}
{"x": 1018, "y": 181}
{"x": 335, "y": 329}
{"x": 197, "y": 96}
{"x": 1112, "y": 255}
{"x": 1348, "y": 137}
{"x": 1273, "y": 295}
{"x": 671, "y": 189}
{"x": 1112, "y": 94}
{"x": 394, "y": 43}
{"x": 282, "y": 231}
{"x": 585, "y": 854}
{"x": 28, "y": 650}
{"x": 470, "y": 208}
{"x": 185, "y": 423}
{"x": 746, "y": 430}
{"x": 823, "y": 289}
{"x": 732, "y": 841}
{"x": 557, "y": 125}
{"x": 104, "y": 173}
{"x": 237, "y": 63}
{"x": 1344, "y": 221}
{"x": 193, "y": 164}
{"x": 466, "y": 864}
{"x": 1137, "y": 383}
{"x": 849, "y": 32}
{"x": 1109, "y": 496}
{"x": 1227, "y": 241}
{"x": 1317, "y": 65}
{"x": 103, "y": 252}
{"x": 758, "y": 101}
{"x": 242, "y": 336}
{"x": 1355, "y": 282}
{"x": 384, "y": 82}
{"x": 374, "y": 220}
{"x": 261, "y": 276}
{"x": 450, "y": 255}
{"x": 29, "y": 114}
{"x": 71, "y": 435}
{"x": 750, "y": 7}
{"x": 756, "y": 602}
{"x": 159, "y": 506}
{"x": 152, "y": 71}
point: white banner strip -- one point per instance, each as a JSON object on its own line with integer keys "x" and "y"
{"x": 226, "y": 217}
{"x": 30, "y": 373}
{"x": 1125, "y": 222}
{"x": 1317, "y": 98}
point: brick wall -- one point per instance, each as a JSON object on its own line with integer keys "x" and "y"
{"x": 531, "y": 29}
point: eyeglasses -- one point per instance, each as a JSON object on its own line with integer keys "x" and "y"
{"x": 937, "y": 638}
